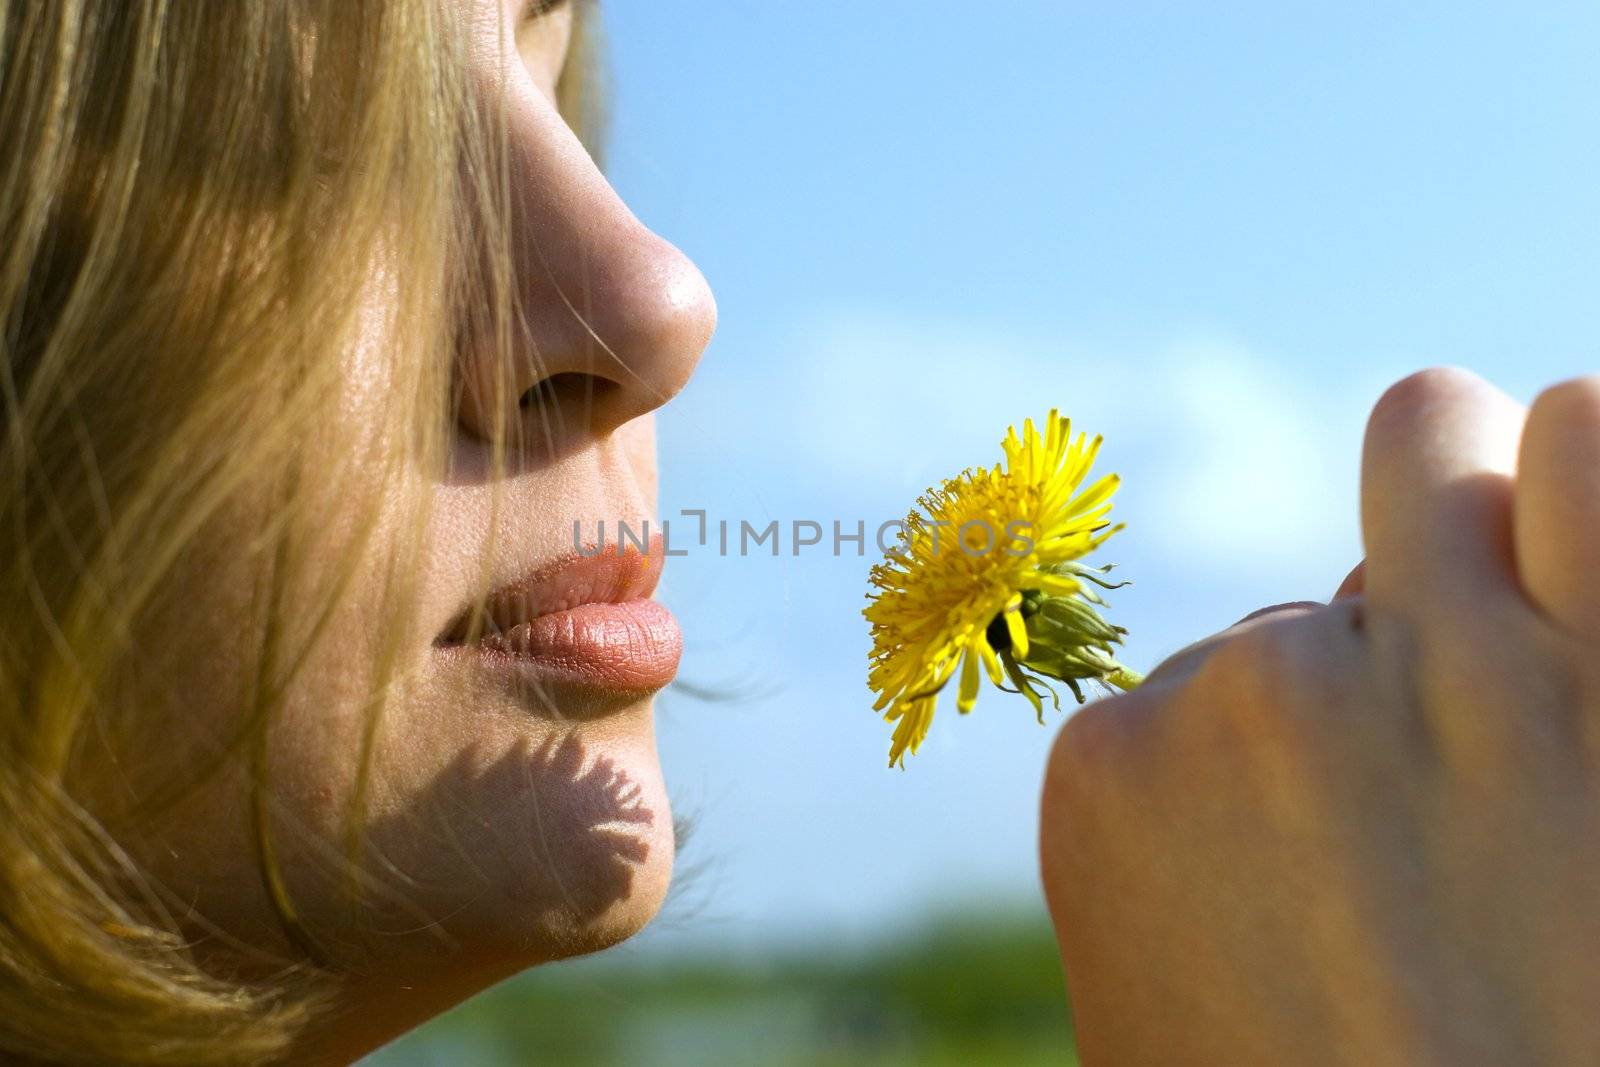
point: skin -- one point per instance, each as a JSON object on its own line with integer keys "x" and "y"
{"x": 1368, "y": 831}
{"x": 501, "y": 832}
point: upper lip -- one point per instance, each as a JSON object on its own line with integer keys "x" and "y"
{"x": 615, "y": 575}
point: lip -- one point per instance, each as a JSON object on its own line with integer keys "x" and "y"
{"x": 586, "y": 621}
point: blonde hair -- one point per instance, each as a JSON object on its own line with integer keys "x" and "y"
{"x": 195, "y": 199}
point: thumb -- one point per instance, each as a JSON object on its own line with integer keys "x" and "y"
{"x": 1354, "y": 583}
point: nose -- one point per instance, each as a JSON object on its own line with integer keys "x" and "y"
{"x": 608, "y": 320}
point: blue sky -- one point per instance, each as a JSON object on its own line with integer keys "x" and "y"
{"x": 1212, "y": 232}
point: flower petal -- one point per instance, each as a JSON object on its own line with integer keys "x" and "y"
{"x": 915, "y": 717}
{"x": 1015, "y": 627}
{"x": 991, "y": 662}
{"x": 967, "y": 696}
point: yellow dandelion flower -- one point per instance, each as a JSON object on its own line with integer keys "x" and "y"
{"x": 988, "y": 576}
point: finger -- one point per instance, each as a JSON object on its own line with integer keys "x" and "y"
{"x": 1184, "y": 662}
{"x": 1557, "y": 505}
{"x": 1353, "y": 583}
{"x": 1436, "y": 478}
{"x": 1297, "y": 606}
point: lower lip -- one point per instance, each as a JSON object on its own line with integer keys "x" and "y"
{"x": 629, "y": 647}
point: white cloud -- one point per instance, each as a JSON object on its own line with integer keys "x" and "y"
{"x": 1243, "y": 457}
{"x": 1227, "y": 455}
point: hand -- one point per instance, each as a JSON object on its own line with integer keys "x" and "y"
{"x": 1365, "y": 832}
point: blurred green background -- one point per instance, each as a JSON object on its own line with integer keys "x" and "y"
{"x": 959, "y": 988}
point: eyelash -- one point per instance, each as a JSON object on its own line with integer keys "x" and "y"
{"x": 540, "y": 8}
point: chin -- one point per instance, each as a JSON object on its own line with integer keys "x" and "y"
{"x": 496, "y": 839}
{"x": 538, "y": 840}
{"x": 587, "y": 928}
{"x": 605, "y": 839}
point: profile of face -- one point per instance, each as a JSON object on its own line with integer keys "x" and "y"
{"x": 511, "y": 805}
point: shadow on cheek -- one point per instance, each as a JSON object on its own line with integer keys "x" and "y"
{"x": 551, "y": 832}
{"x": 591, "y": 821}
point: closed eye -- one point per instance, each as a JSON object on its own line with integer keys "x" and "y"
{"x": 540, "y": 8}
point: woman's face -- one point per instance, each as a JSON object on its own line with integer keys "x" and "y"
{"x": 515, "y": 810}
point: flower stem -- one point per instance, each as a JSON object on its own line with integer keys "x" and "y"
{"x": 1125, "y": 679}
